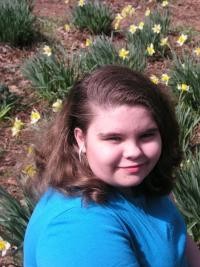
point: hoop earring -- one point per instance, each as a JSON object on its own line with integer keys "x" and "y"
{"x": 80, "y": 152}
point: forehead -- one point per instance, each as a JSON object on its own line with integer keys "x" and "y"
{"x": 121, "y": 118}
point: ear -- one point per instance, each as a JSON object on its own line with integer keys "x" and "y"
{"x": 80, "y": 139}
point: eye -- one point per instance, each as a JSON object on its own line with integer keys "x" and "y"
{"x": 113, "y": 138}
{"x": 148, "y": 135}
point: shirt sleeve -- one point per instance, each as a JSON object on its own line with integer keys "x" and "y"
{"x": 83, "y": 238}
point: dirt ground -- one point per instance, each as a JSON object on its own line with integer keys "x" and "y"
{"x": 184, "y": 16}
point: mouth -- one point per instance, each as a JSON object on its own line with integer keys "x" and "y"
{"x": 132, "y": 168}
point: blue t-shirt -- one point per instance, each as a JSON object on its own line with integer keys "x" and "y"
{"x": 65, "y": 232}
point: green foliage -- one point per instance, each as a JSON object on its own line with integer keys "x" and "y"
{"x": 187, "y": 192}
{"x": 103, "y": 52}
{"x": 93, "y": 16}
{"x": 187, "y": 119}
{"x": 50, "y": 75}
{"x": 16, "y": 22}
{"x": 7, "y": 100}
{"x": 186, "y": 70}
{"x": 137, "y": 58}
{"x": 147, "y": 36}
{"x": 14, "y": 216}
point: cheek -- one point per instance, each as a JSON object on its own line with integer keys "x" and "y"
{"x": 153, "y": 150}
{"x": 102, "y": 154}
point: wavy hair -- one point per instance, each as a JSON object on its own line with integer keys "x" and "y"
{"x": 57, "y": 158}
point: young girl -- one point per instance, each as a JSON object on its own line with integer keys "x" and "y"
{"x": 105, "y": 173}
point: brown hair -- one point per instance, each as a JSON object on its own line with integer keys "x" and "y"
{"x": 57, "y": 158}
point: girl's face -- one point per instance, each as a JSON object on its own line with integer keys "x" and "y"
{"x": 122, "y": 144}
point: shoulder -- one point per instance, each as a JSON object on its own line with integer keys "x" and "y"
{"x": 79, "y": 229}
{"x": 55, "y": 208}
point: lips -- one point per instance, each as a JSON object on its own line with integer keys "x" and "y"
{"x": 133, "y": 168}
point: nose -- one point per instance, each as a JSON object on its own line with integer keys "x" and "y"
{"x": 132, "y": 150}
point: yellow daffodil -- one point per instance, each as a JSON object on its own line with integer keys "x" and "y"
{"x": 47, "y": 50}
{"x": 183, "y": 87}
{"x": 154, "y": 79}
{"x": 141, "y": 25}
{"x": 57, "y": 106}
{"x": 67, "y": 27}
{"x": 164, "y": 41}
{"x": 197, "y": 51}
{"x": 17, "y": 126}
{"x": 132, "y": 28}
{"x": 164, "y": 3}
{"x": 118, "y": 17}
{"x": 35, "y": 116}
{"x": 127, "y": 11}
{"x": 30, "y": 150}
{"x": 29, "y": 170}
{"x": 88, "y": 42}
{"x": 165, "y": 78}
{"x": 4, "y": 247}
{"x": 181, "y": 40}
{"x": 147, "y": 12}
{"x": 123, "y": 53}
{"x": 116, "y": 25}
{"x": 156, "y": 28}
{"x": 117, "y": 21}
{"x": 81, "y": 2}
{"x": 150, "y": 49}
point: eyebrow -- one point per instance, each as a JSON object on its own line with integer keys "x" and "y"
{"x": 103, "y": 135}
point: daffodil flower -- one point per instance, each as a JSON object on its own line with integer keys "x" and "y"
{"x": 164, "y": 3}
{"x": 29, "y": 170}
{"x": 35, "y": 116}
{"x": 164, "y": 41}
{"x": 47, "y": 50}
{"x": 88, "y": 42}
{"x": 154, "y": 79}
{"x": 118, "y": 17}
{"x": 123, "y": 53}
{"x": 165, "y": 78}
{"x": 17, "y": 126}
{"x": 57, "y": 106}
{"x": 4, "y": 247}
{"x": 127, "y": 11}
{"x": 67, "y": 27}
{"x": 81, "y": 3}
{"x": 30, "y": 150}
{"x": 156, "y": 28}
{"x": 150, "y": 49}
{"x": 133, "y": 28}
{"x": 147, "y": 12}
{"x": 183, "y": 87}
{"x": 116, "y": 25}
{"x": 181, "y": 40}
{"x": 197, "y": 51}
{"x": 141, "y": 25}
